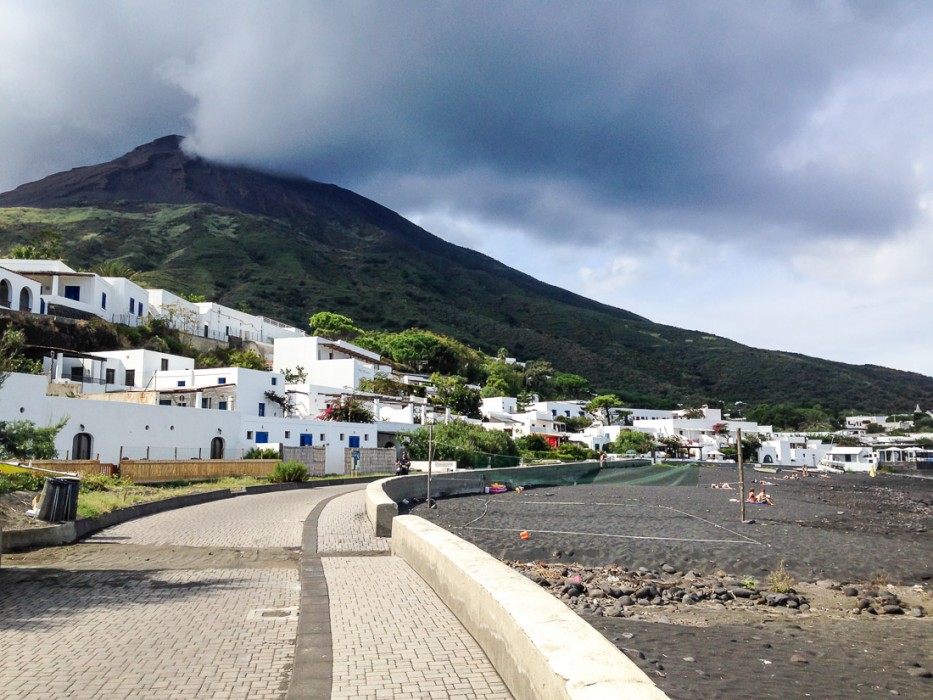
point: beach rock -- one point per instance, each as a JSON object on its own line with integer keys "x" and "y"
{"x": 827, "y": 584}
{"x": 864, "y": 603}
{"x": 799, "y": 659}
{"x": 775, "y": 599}
{"x": 668, "y": 569}
{"x": 626, "y": 600}
{"x": 850, "y": 591}
{"x": 892, "y": 609}
{"x": 596, "y": 593}
{"x": 740, "y": 592}
{"x": 919, "y": 672}
{"x": 917, "y": 612}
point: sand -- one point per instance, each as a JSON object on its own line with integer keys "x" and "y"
{"x": 870, "y": 535}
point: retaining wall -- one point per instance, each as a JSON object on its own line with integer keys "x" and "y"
{"x": 540, "y": 647}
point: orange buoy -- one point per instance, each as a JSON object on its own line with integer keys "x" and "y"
{"x": 524, "y": 534}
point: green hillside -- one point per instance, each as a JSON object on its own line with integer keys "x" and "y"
{"x": 287, "y": 248}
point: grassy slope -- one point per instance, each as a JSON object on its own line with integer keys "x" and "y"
{"x": 289, "y": 270}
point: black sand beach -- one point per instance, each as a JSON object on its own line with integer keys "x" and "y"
{"x": 847, "y": 541}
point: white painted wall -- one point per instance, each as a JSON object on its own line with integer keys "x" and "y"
{"x": 169, "y": 431}
{"x": 23, "y": 293}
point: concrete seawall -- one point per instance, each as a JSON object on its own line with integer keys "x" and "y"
{"x": 539, "y": 647}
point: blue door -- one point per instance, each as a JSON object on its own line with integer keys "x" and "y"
{"x": 354, "y": 441}
{"x": 305, "y": 440}
{"x": 262, "y": 437}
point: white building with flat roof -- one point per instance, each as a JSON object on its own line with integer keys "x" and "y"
{"x": 66, "y": 292}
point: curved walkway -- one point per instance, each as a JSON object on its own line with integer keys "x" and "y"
{"x": 202, "y": 602}
{"x": 392, "y": 636}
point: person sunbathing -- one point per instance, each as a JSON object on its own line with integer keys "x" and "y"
{"x": 752, "y": 498}
{"x": 763, "y": 497}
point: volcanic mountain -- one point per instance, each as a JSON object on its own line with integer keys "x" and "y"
{"x": 288, "y": 247}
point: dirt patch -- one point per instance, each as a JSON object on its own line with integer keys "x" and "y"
{"x": 13, "y": 507}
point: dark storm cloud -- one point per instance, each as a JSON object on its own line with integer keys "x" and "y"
{"x": 673, "y": 107}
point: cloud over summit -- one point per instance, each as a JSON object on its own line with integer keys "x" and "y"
{"x": 599, "y": 146}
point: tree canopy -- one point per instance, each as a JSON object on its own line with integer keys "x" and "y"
{"x": 334, "y": 326}
{"x": 471, "y": 446}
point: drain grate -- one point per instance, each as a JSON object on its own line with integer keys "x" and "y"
{"x": 273, "y": 614}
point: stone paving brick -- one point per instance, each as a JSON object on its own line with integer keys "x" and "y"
{"x": 344, "y": 527}
{"x": 199, "y": 632}
{"x": 63, "y": 633}
{"x": 393, "y": 637}
{"x": 161, "y": 633}
{"x": 261, "y": 520}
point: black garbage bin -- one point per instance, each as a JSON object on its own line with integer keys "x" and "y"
{"x": 59, "y": 499}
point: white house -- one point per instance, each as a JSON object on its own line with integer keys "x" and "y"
{"x": 111, "y": 430}
{"x": 113, "y": 370}
{"x": 850, "y": 459}
{"x": 18, "y": 292}
{"x": 216, "y": 321}
{"x": 329, "y": 363}
{"x": 562, "y": 409}
{"x": 792, "y": 450}
{"x": 65, "y": 292}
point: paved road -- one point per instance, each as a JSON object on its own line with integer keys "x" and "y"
{"x": 202, "y": 602}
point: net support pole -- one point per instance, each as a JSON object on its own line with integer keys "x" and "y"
{"x": 738, "y": 445}
{"x": 430, "y": 460}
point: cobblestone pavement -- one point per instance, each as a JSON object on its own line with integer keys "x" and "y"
{"x": 392, "y": 636}
{"x": 261, "y": 520}
{"x": 344, "y": 527}
{"x": 199, "y": 632}
{"x": 202, "y": 602}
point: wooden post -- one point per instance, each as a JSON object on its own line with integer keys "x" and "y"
{"x": 738, "y": 443}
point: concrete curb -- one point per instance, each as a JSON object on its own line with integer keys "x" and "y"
{"x": 66, "y": 533}
{"x": 540, "y": 647}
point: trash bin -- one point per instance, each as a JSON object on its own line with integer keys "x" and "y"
{"x": 59, "y": 500}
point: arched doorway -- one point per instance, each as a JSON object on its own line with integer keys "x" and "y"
{"x": 25, "y": 299}
{"x": 81, "y": 446}
{"x": 217, "y": 448}
{"x": 6, "y": 294}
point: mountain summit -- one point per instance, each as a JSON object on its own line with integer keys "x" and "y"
{"x": 289, "y": 247}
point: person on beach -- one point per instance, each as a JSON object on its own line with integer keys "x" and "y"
{"x": 752, "y": 498}
{"x": 763, "y": 497}
{"x": 602, "y": 459}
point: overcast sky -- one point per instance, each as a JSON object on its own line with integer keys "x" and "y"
{"x": 756, "y": 170}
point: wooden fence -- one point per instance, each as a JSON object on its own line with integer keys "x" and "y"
{"x": 84, "y": 467}
{"x": 149, "y": 472}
